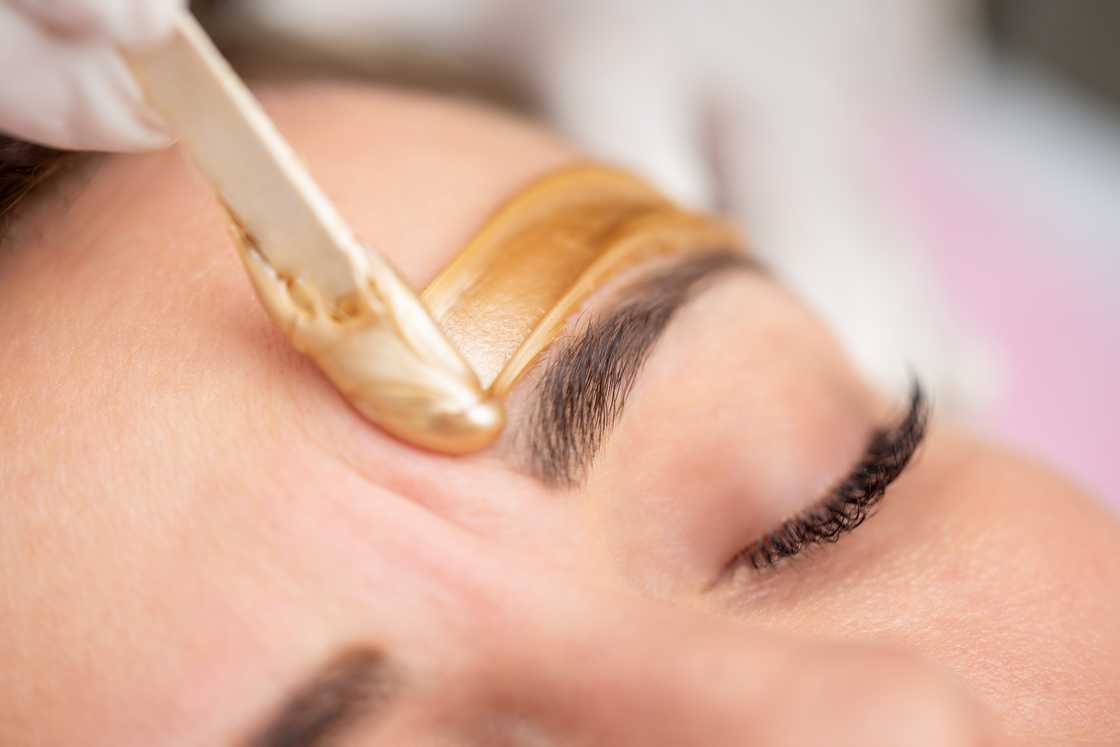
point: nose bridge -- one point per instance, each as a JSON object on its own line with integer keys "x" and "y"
{"x": 661, "y": 675}
{"x": 612, "y": 668}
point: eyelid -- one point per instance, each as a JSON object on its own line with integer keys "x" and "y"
{"x": 847, "y": 505}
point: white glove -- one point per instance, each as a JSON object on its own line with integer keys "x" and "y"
{"x": 64, "y": 84}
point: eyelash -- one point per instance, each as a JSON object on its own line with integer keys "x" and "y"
{"x": 853, "y": 500}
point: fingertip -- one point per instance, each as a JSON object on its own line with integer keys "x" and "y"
{"x": 134, "y": 128}
{"x": 139, "y": 140}
{"x": 105, "y": 108}
{"x": 73, "y": 95}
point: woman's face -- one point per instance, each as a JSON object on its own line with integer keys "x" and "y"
{"x": 198, "y": 531}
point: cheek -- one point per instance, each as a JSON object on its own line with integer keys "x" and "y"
{"x": 992, "y": 568}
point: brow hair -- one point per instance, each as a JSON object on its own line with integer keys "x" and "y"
{"x": 589, "y": 376}
{"x": 355, "y": 686}
{"x": 24, "y": 169}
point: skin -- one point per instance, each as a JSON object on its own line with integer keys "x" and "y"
{"x": 194, "y": 520}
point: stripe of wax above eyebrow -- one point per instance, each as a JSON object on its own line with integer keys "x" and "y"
{"x": 352, "y": 689}
{"x": 588, "y": 376}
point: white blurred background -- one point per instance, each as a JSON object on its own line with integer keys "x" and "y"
{"x": 939, "y": 178}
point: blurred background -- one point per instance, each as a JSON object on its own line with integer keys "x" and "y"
{"x": 939, "y": 178}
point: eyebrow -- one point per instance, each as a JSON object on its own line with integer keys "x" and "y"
{"x": 589, "y": 376}
{"x": 352, "y": 688}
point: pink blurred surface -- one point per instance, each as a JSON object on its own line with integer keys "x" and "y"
{"x": 1051, "y": 315}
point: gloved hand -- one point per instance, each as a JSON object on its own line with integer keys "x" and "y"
{"x": 64, "y": 84}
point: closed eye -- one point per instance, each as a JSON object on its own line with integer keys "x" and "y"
{"x": 847, "y": 505}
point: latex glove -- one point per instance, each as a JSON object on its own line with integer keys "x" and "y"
{"x": 64, "y": 84}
